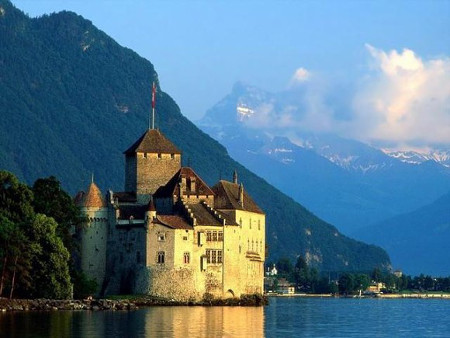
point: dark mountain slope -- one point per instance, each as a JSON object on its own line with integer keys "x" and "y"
{"x": 418, "y": 241}
{"x": 72, "y": 99}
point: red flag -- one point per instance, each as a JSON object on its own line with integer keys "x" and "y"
{"x": 153, "y": 95}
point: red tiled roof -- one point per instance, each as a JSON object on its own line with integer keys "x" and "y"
{"x": 173, "y": 188}
{"x": 227, "y": 197}
{"x": 174, "y": 222}
{"x": 203, "y": 215}
{"x": 93, "y": 197}
{"x": 153, "y": 141}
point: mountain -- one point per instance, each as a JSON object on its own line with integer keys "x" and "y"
{"x": 72, "y": 99}
{"x": 418, "y": 157}
{"x": 417, "y": 241}
{"x": 346, "y": 182}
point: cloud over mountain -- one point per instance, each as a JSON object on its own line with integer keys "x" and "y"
{"x": 399, "y": 98}
{"x": 403, "y": 99}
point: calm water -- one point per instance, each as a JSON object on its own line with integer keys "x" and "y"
{"x": 284, "y": 317}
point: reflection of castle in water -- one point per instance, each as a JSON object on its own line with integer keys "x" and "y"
{"x": 199, "y": 321}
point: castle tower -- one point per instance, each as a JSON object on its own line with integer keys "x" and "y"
{"x": 94, "y": 234}
{"x": 150, "y": 163}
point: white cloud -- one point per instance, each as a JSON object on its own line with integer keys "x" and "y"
{"x": 399, "y": 99}
{"x": 300, "y": 75}
{"x": 403, "y": 99}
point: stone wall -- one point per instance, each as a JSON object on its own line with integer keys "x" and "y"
{"x": 93, "y": 244}
{"x": 155, "y": 170}
{"x": 177, "y": 284}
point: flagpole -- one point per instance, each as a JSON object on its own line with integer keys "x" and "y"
{"x": 153, "y": 104}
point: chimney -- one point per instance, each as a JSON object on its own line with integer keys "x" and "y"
{"x": 235, "y": 178}
{"x": 241, "y": 195}
{"x": 183, "y": 185}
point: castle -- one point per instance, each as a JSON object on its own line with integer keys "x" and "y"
{"x": 169, "y": 234}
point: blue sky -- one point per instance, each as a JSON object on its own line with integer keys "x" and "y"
{"x": 201, "y": 48}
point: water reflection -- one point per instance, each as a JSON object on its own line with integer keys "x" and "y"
{"x": 174, "y": 322}
{"x": 181, "y": 322}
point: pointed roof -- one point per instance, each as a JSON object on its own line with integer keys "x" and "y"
{"x": 227, "y": 197}
{"x": 173, "y": 187}
{"x": 153, "y": 141}
{"x": 151, "y": 205}
{"x": 93, "y": 197}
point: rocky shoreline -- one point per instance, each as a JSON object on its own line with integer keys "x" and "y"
{"x": 121, "y": 304}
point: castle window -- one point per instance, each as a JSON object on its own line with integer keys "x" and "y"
{"x": 259, "y": 224}
{"x": 159, "y": 155}
{"x": 161, "y": 257}
{"x": 161, "y": 237}
{"x": 214, "y": 236}
{"x": 240, "y": 222}
{"x": 172, "y": 156}
{"x": 250, "y": 223}
{"x": 187, "y": 258}
{"x": 208, "y": 236}
{"x": 208, "y": 256}
{"x": 138, "y": 257}
{"x": 220, "y": 236}
{"x": 185, "y": 238}
{"x": 214, "y": 256}
{"x": 145, "y": 155}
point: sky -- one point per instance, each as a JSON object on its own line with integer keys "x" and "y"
{"x": 389, "y": 60}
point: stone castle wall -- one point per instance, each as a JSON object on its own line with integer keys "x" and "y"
{"x": 93, "y": 244}
{"x": 155, "y": 170}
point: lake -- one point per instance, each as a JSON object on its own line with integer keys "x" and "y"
{"x": 284, "y": 317}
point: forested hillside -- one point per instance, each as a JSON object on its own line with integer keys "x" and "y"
{"x": 417, "y": 241}
{"x": 72, "y": 100}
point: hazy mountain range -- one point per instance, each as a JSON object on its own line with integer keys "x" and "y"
{"x": 72, "y": 100}
{"x": 346, "y": 182}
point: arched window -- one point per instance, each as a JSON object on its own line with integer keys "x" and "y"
{"x": 161, "y": 257}
{"x": 187, "y": 258}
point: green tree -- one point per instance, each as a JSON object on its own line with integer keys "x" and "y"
{"x": 83, "y": 286}
{"x": 347, "y": 283}
{"x": 362, "y": 281}
{"x": 50, "y": 260}
{"x": 16, "y": 199}
{"x": 284, "y": 267}
{"x": 301, "y": 274}
{"x": 15, "y": 211}
{"x": 51, "y": 200}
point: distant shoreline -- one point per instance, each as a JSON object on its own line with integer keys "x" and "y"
{"x": 386, "y": 296}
